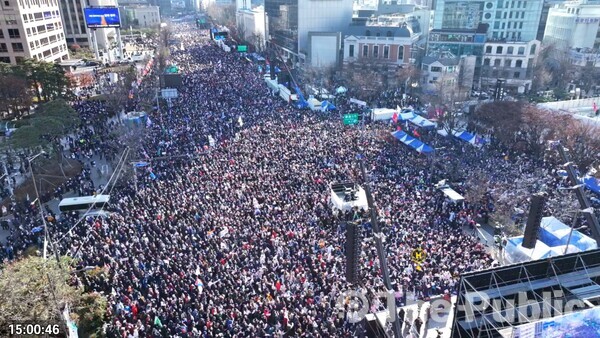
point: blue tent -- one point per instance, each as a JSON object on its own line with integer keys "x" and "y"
{"x": 592, "y": 184}
{"x": 589, "y": 182}
{"x": 327, "y": 106}
{"x": 412, "y": 142}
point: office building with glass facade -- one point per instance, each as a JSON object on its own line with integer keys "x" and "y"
{"x": 291, "y": 21}
{"x": 514, "y": 20}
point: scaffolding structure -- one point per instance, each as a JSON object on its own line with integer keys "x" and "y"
{"x": 495, "y": 300}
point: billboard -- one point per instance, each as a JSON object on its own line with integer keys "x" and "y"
{"x": 102, "y": 17}
{"x": 584, "y": 323}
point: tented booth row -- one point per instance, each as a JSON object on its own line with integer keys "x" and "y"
{"x": 464, "y": 136}
{"x": 384, "y": 114}
{"x": 315, "y": 104}
{"x": 555, "y": 238}
{"x": 412, "y": 142}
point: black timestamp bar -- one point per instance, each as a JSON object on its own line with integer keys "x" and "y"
{"x": 32, "y": 329}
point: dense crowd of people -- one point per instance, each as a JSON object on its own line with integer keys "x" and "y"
{"x": 238, "y": 238}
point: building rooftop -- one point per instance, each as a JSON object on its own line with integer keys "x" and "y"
{"x": 446, "y": 61}
{"x": 383, "y": 31}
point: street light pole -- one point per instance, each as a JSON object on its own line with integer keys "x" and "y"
{"x": 37, "y": 195}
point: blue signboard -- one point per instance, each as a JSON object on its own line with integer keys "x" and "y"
{"x": 102, "y": 17}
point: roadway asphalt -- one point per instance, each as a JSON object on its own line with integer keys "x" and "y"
{"x": 100, "y": 175}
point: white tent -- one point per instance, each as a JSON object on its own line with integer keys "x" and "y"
{"x": 514, "y": 252}
{"x": 314, "y": 104}
{"x": 379, "y": 114}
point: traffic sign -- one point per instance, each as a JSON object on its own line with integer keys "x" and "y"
{"x": 350, "y": 119}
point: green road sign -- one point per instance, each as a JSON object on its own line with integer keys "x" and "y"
{"x": 350, "y": 119}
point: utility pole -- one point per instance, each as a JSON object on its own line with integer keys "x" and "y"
{"x": 378, "y": 235}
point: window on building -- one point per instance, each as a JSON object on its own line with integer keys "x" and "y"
{"x": 3, "y": 48}
{"x": 435, "y": 69}
{"x": 1, "y": 34}
{"x": 486, "y": 62}
{"x": 378, "y": 34}
{"x": 517, "y": 75}
{"x": 351, "y": 51}
{"x": 497, "y": 62}
{"x": 19, "y": 59}
{"x": 375, "y": 51}
{"x": 368, "y": 33}
{"x": 488, "y": 49}
{"x": 366, "y": 51}
{"x": 17, "y": 47}
{"x": 388, "y": 34}
{"x": 25, "y": 19}
{"x": 400, "y": 53}
{"x": 532, "y": 50}
{"x": 499, "y": 50}
{"x": 386, "y": 52}
{"x": 7, "y": 3}
{"x": 5, "y": 59}
{"x": 10, "y": 19}
{"x": 14, "y": 33}
{"x": 506, "y": 63}
{"x": 510, "y": 50}
{"x": 521, "y": 51}
{"x": 519, "y": 64}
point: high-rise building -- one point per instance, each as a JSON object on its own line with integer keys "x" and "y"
{"x": 31, "y": 29}
{"x": 75, "y": 27}
{"x": 291, "y": 21}
{"x": 514, "y": 20}
{"x": 573, "y": 25}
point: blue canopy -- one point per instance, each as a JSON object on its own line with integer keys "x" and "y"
{"x": 589, "y": 182}
{"x": 420, "y": 121}
{"x": 326, "y": 105}
{"x": 592, "y": 184}
{"x": 412, "y": 142}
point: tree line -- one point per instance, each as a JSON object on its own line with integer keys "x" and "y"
{"x": 31, "y": 81}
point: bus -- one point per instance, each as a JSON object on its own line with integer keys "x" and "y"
{"x": 83, "y": 203}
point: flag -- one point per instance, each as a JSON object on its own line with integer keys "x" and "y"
{"x": 399, "y": 128}
{"x": 148, "y": 122}
{"x": 157, "y": 321}
{"x": 395, "y": 117}
{"x": 416, "y": 133}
